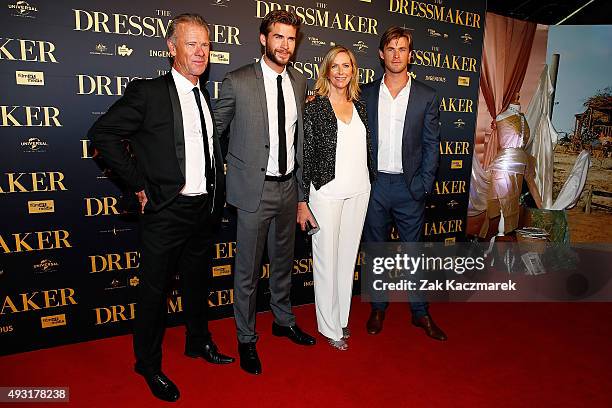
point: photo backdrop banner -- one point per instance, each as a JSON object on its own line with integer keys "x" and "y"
{"x": 68, "y": 243}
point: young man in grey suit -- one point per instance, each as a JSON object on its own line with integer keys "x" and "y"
{"x": 262, "y": 104}
{"x": 404, "y": 117}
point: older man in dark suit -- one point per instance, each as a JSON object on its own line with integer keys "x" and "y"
{"x": 177, "y": 173}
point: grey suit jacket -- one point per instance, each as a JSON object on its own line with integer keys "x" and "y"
{"x": 421, "y": 136}
{"x": 242, "y": 107}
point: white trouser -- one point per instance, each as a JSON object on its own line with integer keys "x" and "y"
{"x": 334, "y": 251}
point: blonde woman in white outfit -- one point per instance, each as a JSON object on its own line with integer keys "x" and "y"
{"x": 336, "y": 175}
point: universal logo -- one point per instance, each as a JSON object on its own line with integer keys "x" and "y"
{"x": 115, "y": 284}
{"x": 34, "y": 145}
{"x": 316, "y": 42}
{"x": 115, "y": 231}
{"x": 46, "y": 265}
{"x": 434, "y": 33}
{"x": 23, "y": 9}
{"x": 452, "y": 204}
{"x": 41, "y": 206}
{"x": 219, "y": 57}
{"x": 220, "y": 3}
{"x": 459, "y": 123}
{"x": 30, "y": 78}
{"x": 53, "y": 321}
{"x": 360, "y": 46}
{"x": 467, "y": 39}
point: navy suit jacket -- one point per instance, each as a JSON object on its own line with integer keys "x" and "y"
{"x": 421, "y": 136}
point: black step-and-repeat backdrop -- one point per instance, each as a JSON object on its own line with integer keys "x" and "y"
{"x": 68, "y": 252}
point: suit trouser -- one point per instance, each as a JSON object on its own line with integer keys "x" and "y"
{"x": 177, "y": 238}
{"x": 274, "y": 221}
{"x": 334, "y": 250}
{"x": 390, "y": 200}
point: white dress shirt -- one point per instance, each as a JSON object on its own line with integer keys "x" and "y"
{"x": 391, "y": 116}
{"x": 269, "y": 76}
{"x": 195, "y": 177}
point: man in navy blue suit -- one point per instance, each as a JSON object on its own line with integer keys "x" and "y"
{"x": 403, "y": 116}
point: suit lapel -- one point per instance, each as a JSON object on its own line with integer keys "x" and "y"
{"x": 216, "y": 144}
{"x": 411, "y": 111}
{"x": 177, "y": 117}
{"x": 373, "y": 108}
{"x": 261, "y": 92}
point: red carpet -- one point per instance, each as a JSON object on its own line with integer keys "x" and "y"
{"x": 498, "y": 355}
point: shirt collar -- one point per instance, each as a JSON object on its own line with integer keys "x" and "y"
{"x": 269, "y": 72}
{"x": 183, "y": 85}
{"x": 404, "y": 91}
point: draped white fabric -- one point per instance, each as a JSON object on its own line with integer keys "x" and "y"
{"x": 570, "y": 193}
{"x": 543, "y": 137}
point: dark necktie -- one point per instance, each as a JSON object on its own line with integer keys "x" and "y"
{"x": 282, "y": 138}
{"x": 208, "y": 170}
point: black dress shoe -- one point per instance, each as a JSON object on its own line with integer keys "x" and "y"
{"x": 208, "y": 351}
{"x": 375, "y": 322}
{"x": 249, "y": 360}
{"x": 294, "y": 333}
{"x": 431, "y": 329}
{"x": 161, "y": 386}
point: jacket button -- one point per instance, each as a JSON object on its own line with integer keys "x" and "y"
{"x": 267, "y": 147}
{"x": 262, "y": 169}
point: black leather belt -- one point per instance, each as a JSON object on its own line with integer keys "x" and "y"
{"x": 279, "y": 178}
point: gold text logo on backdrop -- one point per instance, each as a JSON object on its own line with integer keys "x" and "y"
{"x": 436, "y": 12}
{"x": 452, "y": 204}
{"x": 456, "y": 164}
{"x": 32, "y": 182}
{"x": 102, "y": 85}
{"x": 100, "y": 206}
{"x": 36, "y": 78}
{"x": 454, "y": 147}
{"x": 322, "y": 17}
{"x": 45, "y": 265}
{"x": 41, "y": 206}
{"x": 23, "y": 9}
{"x": 219, "y": 57}
{"x": 115, "y": 313}
{"x": 34, "y": 241}
{"x": 38, "y": 300}
{"x": 221, "y": 298}
{"x": 449, "y": 104}
{"x": 114, "y": 262}
{"x": 17, "y": 115}
{"x": 463, "y": 81}
{"x": 53, "y": 321}
{"x": 221, "y": 270}
{"x": 6, "y": 329}
{"x": 34, "y": 145}
{"x": 449, "y": 187}
{"x": 16, "y": 49}
{"x": 443, "y": 227}
{"x": 145, "y": 26}
{"x": 436, "y": 59}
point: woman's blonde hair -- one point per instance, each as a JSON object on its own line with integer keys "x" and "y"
{"x": 322, "y": 85}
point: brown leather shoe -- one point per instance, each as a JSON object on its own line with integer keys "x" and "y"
{"x": 430, "y": 327}
{"x": 375, "y": 322}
